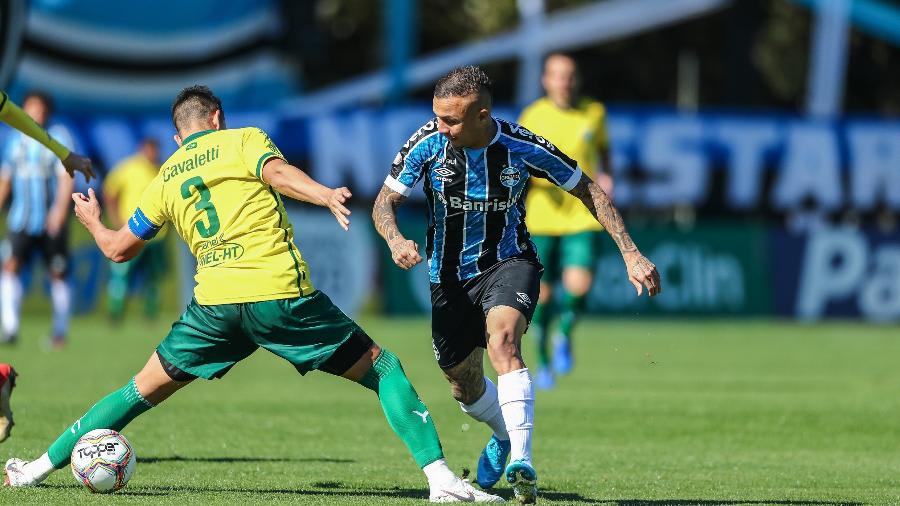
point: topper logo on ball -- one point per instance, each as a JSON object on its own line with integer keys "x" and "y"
{"x": 98, "y": 449}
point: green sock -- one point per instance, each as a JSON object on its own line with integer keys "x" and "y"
{"x": 114, "y": 412}
{"x": 573, "y": 306}
{"x": 540, "y": 325}
{"x": 405, "y": 412}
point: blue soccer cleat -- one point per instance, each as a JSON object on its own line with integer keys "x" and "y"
{"x": 523, "y": 479}
{"x": 562, "y": 355}
{"x": 492, "y": 461}
{"x": 544, "y": 380}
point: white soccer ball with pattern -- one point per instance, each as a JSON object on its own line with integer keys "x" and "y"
{"x": 103, "y": 461}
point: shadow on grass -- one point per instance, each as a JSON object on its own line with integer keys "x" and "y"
{"x": 338, "y": 489}
{"x": 239, "y": 460}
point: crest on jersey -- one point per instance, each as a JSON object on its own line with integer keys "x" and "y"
{"x": 509, "y": 176}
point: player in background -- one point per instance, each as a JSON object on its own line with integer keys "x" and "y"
{"x": 483, "y": 267}
{"x": 122, "y": 189}
{"x": 14, "y": 116}
{"x": 221, "y": 191}
{"x": 563, "y": 230}
{"x": 37, "y": 219}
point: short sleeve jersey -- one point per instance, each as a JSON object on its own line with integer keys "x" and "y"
{"x": 126, "y": 183}
{"x": 235, "y": 224}
{"x": 32, "y": 171}
{"x": 581, "y": 132}
{"x": 476, "y": 214}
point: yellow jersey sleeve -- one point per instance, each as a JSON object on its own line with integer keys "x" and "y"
{"x": 602, "y": 136}
{"x": 257, "y": 148}
{"x": 149, "y": 217}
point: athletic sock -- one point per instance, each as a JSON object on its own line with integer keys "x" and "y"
{"x": 114, "y": 411}
{"x": 117, "y": 290}
{"x": 438, "y": 474}
{"x": 487, "y": 409}
{"x": 516, "y": 395}
{"x": 59, "y": 292}
{"x": 573, "y": 305}
{"x": 10, "y": 297}
{"x": 405, "y": 412}
{"x": 540, "y": 328}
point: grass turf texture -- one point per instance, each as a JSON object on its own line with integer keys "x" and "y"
{"x": 656, "y": 413}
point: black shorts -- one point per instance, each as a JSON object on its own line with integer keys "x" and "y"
{"x": 458, "y": 308}
{"x": 54, "y": 249}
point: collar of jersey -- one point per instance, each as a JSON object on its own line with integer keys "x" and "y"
{"x": 194, "y": 136}
{"x": 496, "y": 136}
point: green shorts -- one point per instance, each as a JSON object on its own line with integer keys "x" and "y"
{"x": 557, "y": 252}
{"x": 309, "y": 332}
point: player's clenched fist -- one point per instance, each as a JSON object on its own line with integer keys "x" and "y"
{"x": 642, "y": 273}
{"x": 86, "y": 208}
{"x": 405, "y": 253}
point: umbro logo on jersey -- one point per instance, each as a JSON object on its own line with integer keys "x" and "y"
{"x": 523, "y": 299}
{"x": 443, "y": 174}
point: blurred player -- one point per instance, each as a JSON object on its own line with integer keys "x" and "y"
{"x": 37, "y": 219}
{"x": 122, "y": 191}
{"x": 563, "y": 230}
{"x": 7, "y": 383}
{"x": 221, "y": 192}
{"x": 14, "y": 116}
{"x": 483, "y": 267}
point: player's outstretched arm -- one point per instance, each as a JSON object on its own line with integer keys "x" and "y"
{"x": 641, "y": 271}
{"x": 404, "y": 252}
{"x": 117, "y": 245}
{"x": 14, "y": 116}
{"x": 296, "y": 184}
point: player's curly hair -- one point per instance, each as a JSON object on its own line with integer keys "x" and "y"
{"x": 464, "y": 81}
{"x": 193, "y": 103}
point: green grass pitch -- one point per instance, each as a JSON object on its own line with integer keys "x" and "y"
{"x": 656, "y": 413}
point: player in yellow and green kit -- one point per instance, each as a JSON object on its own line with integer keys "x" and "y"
{"x": 221, "y": 192}
{"x": 563, "y": 230}
{"x": 122, "y": 190}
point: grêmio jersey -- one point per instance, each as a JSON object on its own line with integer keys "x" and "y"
{"x": 212, "y": 192}
{"x": 475, "y": 197}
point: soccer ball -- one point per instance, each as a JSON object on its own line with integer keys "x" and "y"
{"x": 103, "y": 461}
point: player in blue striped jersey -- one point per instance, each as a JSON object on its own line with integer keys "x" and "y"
{"x": 38, "y": 213}
{"x": 483, "y": 266}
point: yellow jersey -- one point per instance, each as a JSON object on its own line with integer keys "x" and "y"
{"x": 579, "y": 132}
{"x": 127, "y": 181}
{"x": 212, "y": 192}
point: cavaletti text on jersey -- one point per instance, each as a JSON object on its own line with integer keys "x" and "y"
{"x": 198, "y": 160}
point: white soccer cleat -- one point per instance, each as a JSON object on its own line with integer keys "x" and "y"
{"x": 460, "y": 490}
{"x": 15, "y": 475}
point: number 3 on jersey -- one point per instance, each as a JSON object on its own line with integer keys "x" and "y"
{"x": 203, "y": 204}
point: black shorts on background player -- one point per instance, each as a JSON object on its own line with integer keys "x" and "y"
{"x": 53, "y": 249}
{"x": 458, "y": 308}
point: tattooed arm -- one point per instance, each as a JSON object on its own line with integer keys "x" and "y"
{"x": 404, "y": 252}
{"x": 641, "y": 271}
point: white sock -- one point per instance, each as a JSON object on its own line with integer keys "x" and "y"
{"x": 438, "y": 473}
{"x": 59, "y": 292}
{"x": 10, "y": 297}
{"x": 487, "y": 409}
{"x": 40, "y": 469}
{"x": 516, "y": 395}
